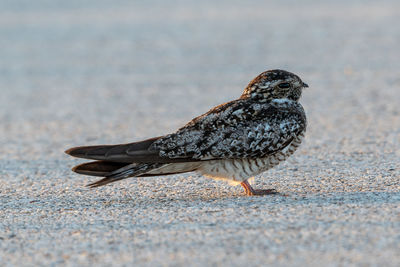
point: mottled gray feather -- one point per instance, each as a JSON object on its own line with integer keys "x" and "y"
{"x": 238, "y": 129}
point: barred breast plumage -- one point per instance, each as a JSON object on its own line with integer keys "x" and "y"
{"x": 239, "y": 170}
{"x": 233, "y": 141}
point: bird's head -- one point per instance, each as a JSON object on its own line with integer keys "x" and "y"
{"x": 275, "y": 84}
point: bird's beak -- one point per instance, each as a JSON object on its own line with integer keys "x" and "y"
{"x": 305, "y": 85}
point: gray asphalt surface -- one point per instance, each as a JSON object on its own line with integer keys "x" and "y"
{"x": 94, "y": 72}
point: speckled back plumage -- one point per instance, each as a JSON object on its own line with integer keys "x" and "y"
{"x": 233, "y": 141}
{"x": 239, "y": 129}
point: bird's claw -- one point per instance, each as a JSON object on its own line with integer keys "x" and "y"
{"x": 262, "y": 192}
{"x": 257, "y": 192}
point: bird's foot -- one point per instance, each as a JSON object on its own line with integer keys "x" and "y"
{"x": 263, "y": 192}
{"x": 257, "y": 192}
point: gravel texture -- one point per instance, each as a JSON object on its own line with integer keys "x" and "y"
{"x": 94, "y": 72}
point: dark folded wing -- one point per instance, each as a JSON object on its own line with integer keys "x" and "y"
{"x": 240, "y": 130}
{"x": 137, "y": 151}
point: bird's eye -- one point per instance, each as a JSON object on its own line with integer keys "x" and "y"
{"x": 284, "y": 85}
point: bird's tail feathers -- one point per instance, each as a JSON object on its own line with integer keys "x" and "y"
{"x": 114, "y": 171}
{"x": 99, "y": 168}
{"x": 130, "y": 170}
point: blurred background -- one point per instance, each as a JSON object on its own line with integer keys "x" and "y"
{"x": 93, "y": 72}
{"x": 124, "y": 70}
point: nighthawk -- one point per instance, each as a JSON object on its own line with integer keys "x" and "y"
{"x": 233, "y": 141}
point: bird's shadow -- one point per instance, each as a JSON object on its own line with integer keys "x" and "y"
{"x": 230, "y": 199}
{"x": 206, "y": 201}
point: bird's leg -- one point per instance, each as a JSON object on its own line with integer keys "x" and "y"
{"x": 256, "y": 192}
